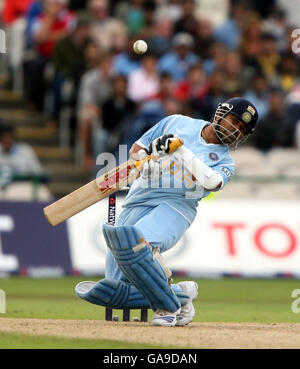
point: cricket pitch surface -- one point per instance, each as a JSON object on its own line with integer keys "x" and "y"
{"x": 195, "y": 335}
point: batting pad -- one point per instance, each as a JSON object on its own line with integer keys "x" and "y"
{"x": 135, "y": 260}
{"x": 117, "y": 294}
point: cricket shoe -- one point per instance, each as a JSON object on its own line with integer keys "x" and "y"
{"x": 164, "y": 318}
{"x": 187, "y": 312}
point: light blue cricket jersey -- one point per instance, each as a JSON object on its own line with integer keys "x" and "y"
{"x": 176, "y": 187}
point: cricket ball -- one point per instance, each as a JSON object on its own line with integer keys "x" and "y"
{"x": 140, "y": 47}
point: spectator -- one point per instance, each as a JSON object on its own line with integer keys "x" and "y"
{"x": 206, "y": 106}
{"x": 95, "y": 88}
{"x": 173, "y": 106}
{"x": 178, "y": 61}
{"x": 187, "y": 23}
{"x": 16, "y": 159}
{"x": 170, "y": 9}
{"x": 150, "y": 111}
{"x": 144, "y": 82}
{"x": 229, "y": 33}
{"x": 277, "y": 25}
{"x": 149, "y": 7}
{"x": 92, "y": 54}
{"x": 204, "y": 38}
{"x": 192, "y": 89}
{"x": 288, "y": 73}
{"x": 293, "y": 111}
{"x": 194, "y": 86}
{"x": 13, "y": 10}
{"x": 259, "y": 94}
{"x": 35, "y": 10}
{"x": 274, "y": 129}
{"x": 214, "y": 11}
{"x": 250, "y": 44}
{"x": 135, "y": 17}
{"x": 217, "y": 56}
{"x": 51, "y": 26}
{"x": 200, "y": 61}
{"x": 268, "y": 58}
{"x": 166, "y": 87}
{"x": 237, "y": 75}
{"x": 109, "y": 33}
{"x": 116, "y": 110}
{"x": 159, "y": 39}
{"x": 14, "y": 19}
{"x": 68, "y": 60}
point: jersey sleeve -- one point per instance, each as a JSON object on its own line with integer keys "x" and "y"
{"x": 156, "y": 131}
{"x": 226, "y": 170}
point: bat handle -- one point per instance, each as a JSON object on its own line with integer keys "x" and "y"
{"x": 175, "y": 144}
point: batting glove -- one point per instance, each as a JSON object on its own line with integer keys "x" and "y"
{"x": 161, "y": 145}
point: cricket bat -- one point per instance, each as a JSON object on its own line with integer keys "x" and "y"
{"x": 98, "y": 189}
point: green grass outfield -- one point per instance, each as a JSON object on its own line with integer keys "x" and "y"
{"x": 22, "y": 341}
{"x": 226, "y": 300}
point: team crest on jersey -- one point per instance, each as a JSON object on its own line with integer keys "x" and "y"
{"x": 213, "y": 156}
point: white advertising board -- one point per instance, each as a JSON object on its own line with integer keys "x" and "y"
{"x": 252, "y": 238}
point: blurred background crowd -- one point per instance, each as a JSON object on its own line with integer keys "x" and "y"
{"x": 73, "y": 62}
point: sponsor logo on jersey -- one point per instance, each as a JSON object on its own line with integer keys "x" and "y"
{"x": 225, "y": 171}
{"x": 213, "y": 156}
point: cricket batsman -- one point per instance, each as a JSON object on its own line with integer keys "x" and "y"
{"x": 161, "y": 205}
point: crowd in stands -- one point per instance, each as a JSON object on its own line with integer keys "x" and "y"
{"x": 19, "y": 165}
{"x": 77, "y": 55}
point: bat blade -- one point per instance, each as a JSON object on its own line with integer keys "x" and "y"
{"x": 90, "y": 193}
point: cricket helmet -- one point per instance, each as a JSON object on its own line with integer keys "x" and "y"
{"x": 243, "y": 110}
